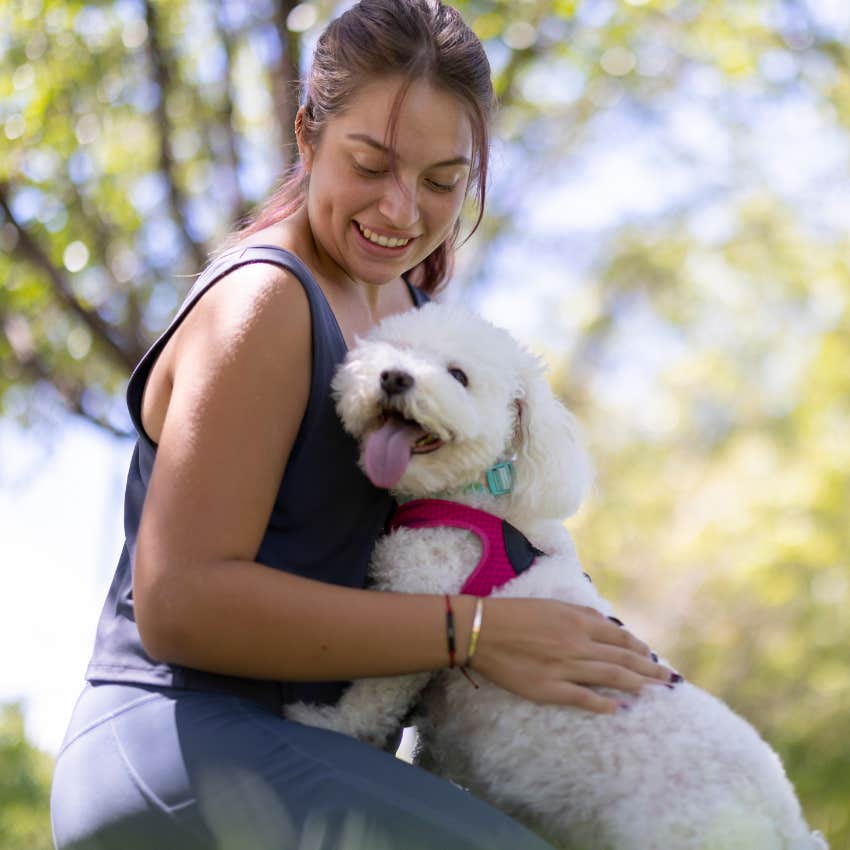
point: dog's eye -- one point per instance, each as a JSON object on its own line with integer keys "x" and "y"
{"x": 460, "y": 376}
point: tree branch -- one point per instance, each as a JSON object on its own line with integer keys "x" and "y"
{"x": 35, "y": 369}
{"x": 29, "y": 250}
{"x": 103, "y": 236}
{"x": 162, "y": 71}
{"x": 285, "y": 78}
{"x": 238, "y": 202}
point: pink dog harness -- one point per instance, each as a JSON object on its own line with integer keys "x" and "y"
{"x": 506, "y": 551}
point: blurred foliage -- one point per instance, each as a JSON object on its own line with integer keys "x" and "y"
{"x": 24, "y": 787}
{"x": 667, "y": 219}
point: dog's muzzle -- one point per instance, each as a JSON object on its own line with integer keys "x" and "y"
{"x": 396, "y": 381}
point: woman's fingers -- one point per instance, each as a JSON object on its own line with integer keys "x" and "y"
{"x": 602, "y": 674}
{"x": 604, "y": 630}
{"x": 625, "y": 658}
{"x": 616, "y": 645}
{"x": 578, "y": 696}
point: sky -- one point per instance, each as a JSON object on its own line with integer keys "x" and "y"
{"x": 60, "y": 513}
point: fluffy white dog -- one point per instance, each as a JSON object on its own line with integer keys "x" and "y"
{"x": 436, "y": 398}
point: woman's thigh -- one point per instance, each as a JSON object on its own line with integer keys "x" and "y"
{"x": 197, "y": 771}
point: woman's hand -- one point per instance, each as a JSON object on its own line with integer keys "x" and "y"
{"x": 554, "y": 652}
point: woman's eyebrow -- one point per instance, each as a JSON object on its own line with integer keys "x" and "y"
{"x": 374, "y": 143}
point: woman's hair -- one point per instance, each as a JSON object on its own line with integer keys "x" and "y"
{"x": 411, "y": 39}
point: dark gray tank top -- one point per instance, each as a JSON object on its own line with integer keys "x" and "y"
{"x": 323, "y": 524}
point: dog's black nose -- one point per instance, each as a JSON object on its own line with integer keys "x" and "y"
{"x": 394, "y": 381}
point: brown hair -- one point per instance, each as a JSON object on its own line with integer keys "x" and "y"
{"x": 411, "y": 39}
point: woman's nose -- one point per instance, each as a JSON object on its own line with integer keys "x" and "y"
{"x": 399, "y": 204}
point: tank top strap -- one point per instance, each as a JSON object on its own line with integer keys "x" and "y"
{"x": 417, "y": 295}
{"x": 222, "y": 265}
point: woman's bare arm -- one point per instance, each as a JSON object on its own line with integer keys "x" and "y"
{"x": 239, "y": 369}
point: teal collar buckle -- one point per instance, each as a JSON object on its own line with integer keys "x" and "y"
{"x": 500, "y": 479}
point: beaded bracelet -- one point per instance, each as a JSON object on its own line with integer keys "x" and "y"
{"x": 473, "y": 640}
{"x": 450, "y": 631}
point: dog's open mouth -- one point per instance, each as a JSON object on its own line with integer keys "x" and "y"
{"x": 389, "y": 447}
{"x": 427, "y": 443}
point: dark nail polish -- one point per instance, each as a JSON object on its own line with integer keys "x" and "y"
{"x": 675, "y": 678}
{"x": 624, "y": 706}
{"x": 654, "y": 656}
{"x": 618, "y": 622}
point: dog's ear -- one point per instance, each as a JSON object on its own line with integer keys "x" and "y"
{"x": 553, "y": 471}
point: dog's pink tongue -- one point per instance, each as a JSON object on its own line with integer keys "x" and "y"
{"x": 387, "y": 451}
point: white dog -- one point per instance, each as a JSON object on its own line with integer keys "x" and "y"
{"x": 436, "y": 398}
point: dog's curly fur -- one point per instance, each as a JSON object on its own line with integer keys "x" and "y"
{"x": 678, "y": 770}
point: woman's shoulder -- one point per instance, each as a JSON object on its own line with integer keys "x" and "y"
{"x": 253, "y": 295}
{"x": 266, "y": 275}
{"x": 252, "y": 312}
{"x": 253, "y": 320}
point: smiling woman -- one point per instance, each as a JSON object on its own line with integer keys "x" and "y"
{"x": 249, "y": 525}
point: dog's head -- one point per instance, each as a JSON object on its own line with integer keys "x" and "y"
{"x": 437, "y": 395}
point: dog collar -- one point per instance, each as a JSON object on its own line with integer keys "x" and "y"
{"x": 498, "y": 481}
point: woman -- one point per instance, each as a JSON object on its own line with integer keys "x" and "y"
{"x": 249, "y": 526}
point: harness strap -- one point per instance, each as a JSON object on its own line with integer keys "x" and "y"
{"x": 505, "y": 551}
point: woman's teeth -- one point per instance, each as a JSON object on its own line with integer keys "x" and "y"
{"x": 384, "y": 241}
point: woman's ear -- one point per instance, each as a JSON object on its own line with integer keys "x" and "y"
{"x": 305, "y": 149}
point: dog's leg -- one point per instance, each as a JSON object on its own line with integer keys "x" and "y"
{"x": 371, "y": 710}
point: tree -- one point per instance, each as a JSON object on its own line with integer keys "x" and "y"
{"x": 24, "y": 787}
{"x": 129, "y": 152}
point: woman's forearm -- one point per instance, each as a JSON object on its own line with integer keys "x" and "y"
{"x": 243, "y": 619}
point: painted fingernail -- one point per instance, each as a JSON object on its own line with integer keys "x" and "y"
{"x": 623, "y": 706}
{"x": 654, "y": 656}
{"x": 675, "y": 678}
{"x": 618, "y": 622}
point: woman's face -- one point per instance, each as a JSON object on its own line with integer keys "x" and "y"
{"x": 370, "y": 222}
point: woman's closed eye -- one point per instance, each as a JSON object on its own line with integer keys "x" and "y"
{"x": 378, "y": 170}
{"x": 369, "y": 172}
{"x": 437, "y": 186}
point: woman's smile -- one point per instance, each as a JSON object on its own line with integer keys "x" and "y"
{"x": 381, "y": 241}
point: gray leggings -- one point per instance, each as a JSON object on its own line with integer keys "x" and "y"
{"x": 147, "y": 769}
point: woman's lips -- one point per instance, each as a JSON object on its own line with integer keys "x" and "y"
{"x": 394, "y": 246}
